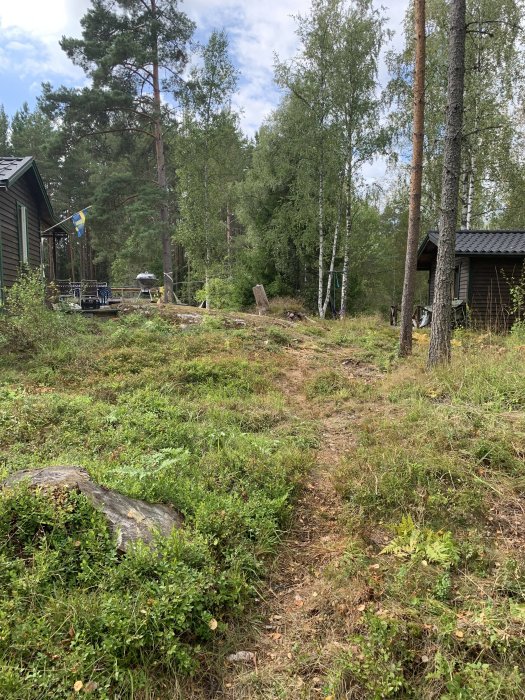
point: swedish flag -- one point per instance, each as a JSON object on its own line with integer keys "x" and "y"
{"x": 79, "y": 219}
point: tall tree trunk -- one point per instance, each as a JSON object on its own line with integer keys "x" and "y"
{"x": 346, "y": 247}
{"x": 321, "y": 243}
{"x": 229, "y": 235}
{"x": 71, "y": 259}
{"x": 167, "y": 258}
{"x": 414, "y": 215}
{"x": 470, "y": 194}
{"x": 465, "y": 182}
{"x": 439, "y": 352}
{"x": 207, "y": 233}
{"x": 332, "y": 259}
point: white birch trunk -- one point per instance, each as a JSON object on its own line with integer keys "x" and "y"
{"x": 332, "y": 264}
{"x": 470, "y": 195}
{"x": 321, "y": 245}
{"x": 346, "y": 247}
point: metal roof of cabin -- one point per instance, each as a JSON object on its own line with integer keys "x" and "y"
{"x": 13, "y": 168}
{"x": 483, "y": 242}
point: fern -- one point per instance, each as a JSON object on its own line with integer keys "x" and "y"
{"x": 413, "y": 542}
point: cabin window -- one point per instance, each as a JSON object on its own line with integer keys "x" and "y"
{"x": 23, "y": 238}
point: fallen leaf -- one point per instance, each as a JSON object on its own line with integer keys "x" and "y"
{"x": 276, "y": 636}
{"x": 213, "y": 624}
{"x": 78, "y": 686}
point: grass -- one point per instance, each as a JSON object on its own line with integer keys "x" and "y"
{"x": 192, "y": 417}
{"x": 426, "y": 598}
{"x": 438, "y": 470}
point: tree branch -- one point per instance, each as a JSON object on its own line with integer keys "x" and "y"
{"x": 113, "y": 131}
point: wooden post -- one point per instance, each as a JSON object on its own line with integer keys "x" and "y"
{"x": 70, "y": 242}
{"x": 54, "y": 276}
{"x": 263, "y": 305}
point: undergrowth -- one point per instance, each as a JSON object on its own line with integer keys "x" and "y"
{"x": 437, "y": 475}
{"x": 432, "y": 480}
{"x": 191, "y": 417}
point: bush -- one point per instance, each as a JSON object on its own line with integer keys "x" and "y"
{"x": 222, "y": 294}
{"x": 29, "y": 324}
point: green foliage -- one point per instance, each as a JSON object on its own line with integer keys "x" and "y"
{"x": 447, "y": 449}
{"x": 28, "y": 324}
{"x": 412, "y": 542}
{"x": 376, "y": 670}
{"x": 476, "y": 680}
{"x": 494, "y": 74}
{"x": 186, "y": 418}
{"x": 326, "y": 383}
{"x": 375, "y": 341}
{"x": 88, "y": 615}
{"x": 222, "y": 294}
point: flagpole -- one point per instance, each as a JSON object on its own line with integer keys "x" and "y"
{"x": 63, "y": 220}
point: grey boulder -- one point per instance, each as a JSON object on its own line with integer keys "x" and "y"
{"x": 129, "y": 519}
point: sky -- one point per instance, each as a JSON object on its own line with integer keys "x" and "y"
{"x": 257, "y": 29}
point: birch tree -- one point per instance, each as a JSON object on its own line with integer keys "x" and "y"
{"x": 207, "y": 117}
{"x": 335, "y": 79}
{"x": 356, "y": 109}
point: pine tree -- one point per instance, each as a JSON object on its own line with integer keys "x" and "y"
{"x": 439, "y": 351}
{"x": 414, "y": 220}
{"x": 5, "y": 145}
{"x": 133, "y": 51}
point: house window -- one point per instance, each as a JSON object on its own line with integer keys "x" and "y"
{"x": 23, "y": 238}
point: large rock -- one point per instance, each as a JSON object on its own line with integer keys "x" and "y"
{"x": 129, "y": 519}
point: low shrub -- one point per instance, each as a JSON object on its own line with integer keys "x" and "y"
{"x": 28, "y": 324}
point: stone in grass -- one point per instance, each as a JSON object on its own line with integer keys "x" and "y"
{"x": 129, "y": 519}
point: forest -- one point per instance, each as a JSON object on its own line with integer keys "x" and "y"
{"x": 153, "y": 144}
{"x": 200, "y": 501}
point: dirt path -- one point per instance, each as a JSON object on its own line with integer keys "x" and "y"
{"x": 304, "y": 618}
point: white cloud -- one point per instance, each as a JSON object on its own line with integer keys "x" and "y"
{"x": 258, "y": 30}
{"x": 44, "y": 18}
{"x": 33, "y": 29}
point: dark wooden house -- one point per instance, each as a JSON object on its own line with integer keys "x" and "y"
{"x": 25, "y": 211}
{"x": 488, "y": 264}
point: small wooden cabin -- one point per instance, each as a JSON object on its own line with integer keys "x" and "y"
{"x": 488, "y": 264}
{"x": 25, "y": 211}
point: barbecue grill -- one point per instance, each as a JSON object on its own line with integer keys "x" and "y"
{"x": 147, "y": 281}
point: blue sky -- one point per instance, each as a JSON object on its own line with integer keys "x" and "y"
{"x": 258, "y": 29}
